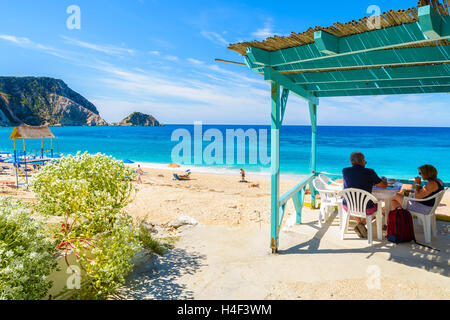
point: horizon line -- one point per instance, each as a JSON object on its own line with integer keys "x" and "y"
{"x": 307, "y": 125}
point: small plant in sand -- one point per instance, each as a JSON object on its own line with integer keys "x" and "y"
{"x": 152, "y": 245}
{"x": 90, "y": 191}
{"x": 26, "y": 254}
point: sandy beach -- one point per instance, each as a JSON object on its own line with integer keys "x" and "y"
{"x": 226, "y": 255}
{"x": 213, "y": 199}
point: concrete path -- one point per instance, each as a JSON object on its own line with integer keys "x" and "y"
{"x": 219, "y": 262}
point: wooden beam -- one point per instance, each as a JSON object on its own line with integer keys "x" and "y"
{"x": 384, "y": 84}
{"x": 273, "y": 76}
{"x": 284, "y": 99}
{"x": 430, "y": 21}
{"x": 230, "y": 62}
{"x": 326, "y": 42}
{"x": 313, "y": 116}
{"x": 250, "y": 64}
{"x": 381, "y": 74}
{"x": 275, "y": 166}
{"x": 258, "y": 56}
{"x": 382, "y": 92}
{"x": 374, "y": 59}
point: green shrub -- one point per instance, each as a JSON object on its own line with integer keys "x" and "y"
{"x": 90, "y": 191}
{"x": 83, "y": 185}
{"x": 26, "y": 255}
{"x": 108, "y": 260}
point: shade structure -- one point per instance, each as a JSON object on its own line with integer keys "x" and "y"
{"x": 21, "y": 162}
{"x": 31, "y": 132}
{"x": 398, "y": 52}
{"x": 405, "y": 52}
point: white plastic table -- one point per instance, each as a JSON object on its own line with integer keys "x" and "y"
{"x": 386, "y": 195}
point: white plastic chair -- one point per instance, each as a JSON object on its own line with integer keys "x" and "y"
{"x": 328, "y": 200}
{"x": 330, "y": 183}
{"x": 356, "y": 201}
{"x": 428, "y": 220}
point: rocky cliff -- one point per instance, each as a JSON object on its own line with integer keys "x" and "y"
{"x": 40, "y": 100}
{"x": 140, "y": 119}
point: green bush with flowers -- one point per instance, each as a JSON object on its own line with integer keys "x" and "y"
{"x": 83, "y": 185}
{"x": 89, "y": 191}
{"x": 26, "y": 254}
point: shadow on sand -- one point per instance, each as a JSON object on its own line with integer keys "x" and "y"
{"x": 409, "y": 254}
{"x": 159, "y": 281}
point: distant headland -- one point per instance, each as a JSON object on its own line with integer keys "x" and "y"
{"x": 48, "y": 101}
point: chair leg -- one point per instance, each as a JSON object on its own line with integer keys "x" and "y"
{"x": 330, "y": 210}
{"x": 345, "y": 222}
{"x": 327, "y": 213}
{"x": 427, "y": 228}
{"x": 369, "y": 229}
{"x": 320, "y": 216}
{"x": 433, "y": 225}
{"x": 340, "y": 216}
{"x": 379, "y": 226}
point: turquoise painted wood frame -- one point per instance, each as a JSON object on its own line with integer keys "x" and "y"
{"x": 405, "y": 59}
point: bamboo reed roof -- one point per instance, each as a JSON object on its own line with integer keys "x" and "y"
{"x": 388, "y": 19}
{"x": 409, "y": 53}
{"x": 30, "y": 132}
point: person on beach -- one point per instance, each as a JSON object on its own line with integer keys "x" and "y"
{"x": 242, "y": 176}
{"x": 139, "y": 172}
{"x": 429, "y": 173}
{"x": 359, "y": 177}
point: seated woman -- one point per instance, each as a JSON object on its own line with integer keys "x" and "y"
{"x": 434, "y": 186}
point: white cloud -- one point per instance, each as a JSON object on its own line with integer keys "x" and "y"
{"x": 205, "y": 99}
{"x": 223, "y": 94}
{"x": 194, "y": 61}
{"x": 171, "y": 58}
{"x": 16, "y": 40}
{"x": 168, "y": 57}
{"x": 264, "y": 32}
{"x": 215, "y": 38}
{"x": 28, "y": 44}
{"x": 108, "y": 49}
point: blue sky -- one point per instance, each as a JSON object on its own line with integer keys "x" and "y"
{"x": 157, "y": 57}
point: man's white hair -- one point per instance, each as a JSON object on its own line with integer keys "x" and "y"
{"x": 357, "y": 158}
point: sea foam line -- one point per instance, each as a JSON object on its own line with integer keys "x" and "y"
{"x": 214, "y": 170}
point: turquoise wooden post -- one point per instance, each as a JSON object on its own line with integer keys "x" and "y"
{"x": 275, "y": 165}
{"x": 298, "y": 204}
{"x": 313, "y": 116}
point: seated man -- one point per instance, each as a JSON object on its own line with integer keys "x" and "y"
{"x": 359, "y": 177}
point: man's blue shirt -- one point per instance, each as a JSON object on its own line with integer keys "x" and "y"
{"x": 360, "y": 178}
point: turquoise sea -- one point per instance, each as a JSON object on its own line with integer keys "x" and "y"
{"x": 394, "y": 152}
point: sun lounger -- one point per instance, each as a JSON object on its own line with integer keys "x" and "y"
{"x": 183, "y": 177}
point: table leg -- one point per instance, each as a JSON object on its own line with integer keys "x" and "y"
{"x": 388, "y": 208}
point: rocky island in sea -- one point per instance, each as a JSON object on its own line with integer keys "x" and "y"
{"x": 139, "y": 119}
{"x": 42, "y": 100}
